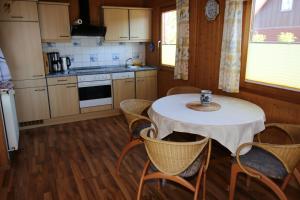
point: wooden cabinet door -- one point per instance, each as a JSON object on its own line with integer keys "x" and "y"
{"x": 54, "y": 22}
{"x": 18, "y": 11}
{"x": 140, "y": 24}
{"x": 123, "y": 89}
{"x": 32, "y": 104}
{"x": 146, "y": 88}
{"x": 64, "y": 100}
{"x": 22, "y": 48}
{"x": 117, "y": 24}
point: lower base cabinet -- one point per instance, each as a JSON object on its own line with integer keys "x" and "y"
{"x": 64, "y": 100}
{"x": 146, "y": 85}
{"x": 32, "y": 104}
{"x": 123, "y": 89}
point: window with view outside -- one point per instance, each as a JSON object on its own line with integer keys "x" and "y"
{"x": 274, "y": 45}
{"x": 168, "y": 42}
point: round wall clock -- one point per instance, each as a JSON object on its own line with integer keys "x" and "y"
{"x": 211, "y": 10}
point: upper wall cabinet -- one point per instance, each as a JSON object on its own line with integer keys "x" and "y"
{"x": 116, "y": 21}
{"x": 21, "y": 45}
{"x": 54, "y": 21}
{"x": 126, "y": 24}
{"x": 18, "y": 10}
{"x": 140, "y": 24}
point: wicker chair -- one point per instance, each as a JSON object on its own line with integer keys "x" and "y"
{"x": 175, "y": 161}
{"x": 183, "y": 90}
{"x": 133, "y": 110}
{"x": 265, "y": 161}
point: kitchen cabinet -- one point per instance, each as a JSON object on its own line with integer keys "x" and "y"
{"x": 18, "y": 10}
{"x": 127, "y": 24}
{"x": 54, "y": 21}
{"x": 21, "y": 45}
{"x": 140, "y": 24}
{"x": 116, "y": 22}
{"x": 31, "y": 100}
{"x": 146, "y": 85}
{"x": 63, "y": 99}
{"x": 123, "y": 89}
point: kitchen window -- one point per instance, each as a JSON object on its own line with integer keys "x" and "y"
{"x": 168, "y": 37}
{"x": 287, "y": 5}
{"x": 271, "y": 51}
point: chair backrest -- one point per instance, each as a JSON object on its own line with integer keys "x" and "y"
{"x": 172, "y": 158}
{"x": 133, "y": 108}
{"x": 289, "y": 155}
{"x": 183, "y": 90}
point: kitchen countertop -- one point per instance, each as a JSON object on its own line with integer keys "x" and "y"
{"x": 98, "y": 70}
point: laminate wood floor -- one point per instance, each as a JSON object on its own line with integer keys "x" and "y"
{"x": 77, "y": 161}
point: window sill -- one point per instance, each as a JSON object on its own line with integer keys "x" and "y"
{"x": 272, "y": 92}
{"x": 166, "y": 68}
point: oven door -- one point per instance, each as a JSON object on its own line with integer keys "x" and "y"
{"x": 95, "y": 93}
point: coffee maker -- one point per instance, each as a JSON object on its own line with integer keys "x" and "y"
{"x": 54, "y": 61}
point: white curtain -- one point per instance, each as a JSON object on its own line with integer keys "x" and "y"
{"x": 229, "y": 78}
{"x": 182, "y": 44}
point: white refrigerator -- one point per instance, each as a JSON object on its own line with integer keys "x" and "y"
{"x": 7, "y": 107}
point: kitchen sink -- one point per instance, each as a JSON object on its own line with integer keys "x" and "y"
{"x": 133, "y": 67}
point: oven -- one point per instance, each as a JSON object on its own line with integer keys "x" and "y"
{"x": 95, "y": 90}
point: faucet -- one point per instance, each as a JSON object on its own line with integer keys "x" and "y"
{"x": 126, "y": 62}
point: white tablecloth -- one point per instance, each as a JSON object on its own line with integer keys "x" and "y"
{"x": 234, "y": 124}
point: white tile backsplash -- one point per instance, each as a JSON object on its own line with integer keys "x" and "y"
{"x": 92, "y": 51}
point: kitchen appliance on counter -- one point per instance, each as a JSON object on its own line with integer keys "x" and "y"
{"x": 54, "y": 62}
{"x": 7, "y": 107}
{"x": 95, "y": 90}
{"x": 65, "y": 63}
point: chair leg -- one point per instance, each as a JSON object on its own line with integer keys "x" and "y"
{"x": 198, "y": 183}
{"x": 297, "y": 175}
{"x": 286, "y": 181}
{"x": 142, "y": 180}
{"x": 273, "y": 187}
{"x": 128, "y": 147}
{"x": 204, "y": 186}
{"x": 248, "y": 181}
{"x": 235, "y": 169}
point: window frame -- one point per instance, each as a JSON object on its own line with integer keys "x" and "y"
{"x": 162, "y": 10}
{"x": 260, "y": 89}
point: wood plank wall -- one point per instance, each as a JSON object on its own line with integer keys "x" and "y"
{"x": 205, "y": 48}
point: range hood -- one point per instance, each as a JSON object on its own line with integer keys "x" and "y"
{"x": 83, "y": 26}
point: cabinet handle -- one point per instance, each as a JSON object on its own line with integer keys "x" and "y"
{"x": 62, "y": 80}
{"x": 17, "y": 17}
{"x": 38, "y": 75}
{"x": 40, "y": 90}
{"x": 123, "y": 37}
{"x": 128, "y": 81}
{"x": 64, "y": 36}
{"x": 72, "y": 86}
{"x": 134, "y": 37}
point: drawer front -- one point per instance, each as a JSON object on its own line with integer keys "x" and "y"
{"x": 146, "y": 73}
{"x": 30, "y": 83}
{"x": 18, "y": 11}
{"x": 62, "y": 80}
{"x": 123, "y": 75}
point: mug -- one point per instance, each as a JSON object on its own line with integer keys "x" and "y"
{"x": 205, "y": 97}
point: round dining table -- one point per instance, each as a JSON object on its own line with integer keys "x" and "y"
{"x": 236, "y": 122}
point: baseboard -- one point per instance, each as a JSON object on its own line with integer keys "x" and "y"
{"x": 74, "y": 118}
